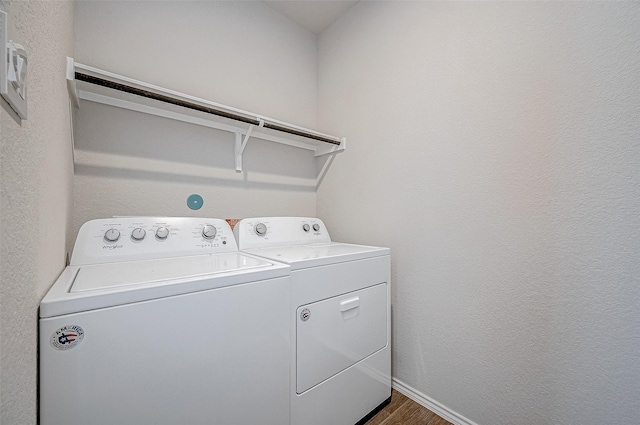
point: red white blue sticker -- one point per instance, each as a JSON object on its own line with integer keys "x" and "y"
{"x": 67, "y": 337}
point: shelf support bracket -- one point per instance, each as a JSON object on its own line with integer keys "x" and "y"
{"x": 71, "y": 83}
{"x": 241, "y": 144}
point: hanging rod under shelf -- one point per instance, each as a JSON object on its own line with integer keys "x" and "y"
{"x": 209, "y": 110}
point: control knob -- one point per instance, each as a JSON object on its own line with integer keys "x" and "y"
{"x": 138, "y": 234}
{"x": 162, "y": 233}
{"x": 306, "y": 227}
{"x": 316, "y": 227}
{"x": 261, "y": 229}
{"x": 209, "y": 231}
{"x": 111, "y": 235}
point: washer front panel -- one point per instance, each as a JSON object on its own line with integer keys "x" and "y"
{"x": 220, "y": 356}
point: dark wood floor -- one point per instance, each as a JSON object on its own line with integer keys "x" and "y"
{"x": 404, "y": 411}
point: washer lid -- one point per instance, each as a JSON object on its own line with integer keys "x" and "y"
{"x": 103, "y": 276}
{"x": 314, "y": 255}
{"x": 83, "y": 288}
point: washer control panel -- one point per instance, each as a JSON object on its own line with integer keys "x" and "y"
{"x": 139, "y": 238}
{"x": 265, "y": 232}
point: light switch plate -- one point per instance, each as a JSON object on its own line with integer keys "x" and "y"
{"x": 13, "y": 66}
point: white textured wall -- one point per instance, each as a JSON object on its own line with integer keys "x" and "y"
{"x": 495, "y": 147}
{"x": 243, "y": 54}
{"x": 36, "y": 197}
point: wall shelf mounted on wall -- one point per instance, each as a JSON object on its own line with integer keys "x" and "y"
{"x": 96, "y": 85}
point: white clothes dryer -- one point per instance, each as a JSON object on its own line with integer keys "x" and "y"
{"x": 340, "y": 315}
{"x": 162, "y": 321}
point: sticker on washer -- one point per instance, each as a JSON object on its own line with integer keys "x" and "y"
{"x": 67, "y": 337}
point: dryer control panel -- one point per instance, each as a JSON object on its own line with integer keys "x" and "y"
{"x": 141, "y": 238}
{"x": 267, "y": 232}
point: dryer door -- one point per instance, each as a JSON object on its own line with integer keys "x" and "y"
{"x": 338, "y": 332}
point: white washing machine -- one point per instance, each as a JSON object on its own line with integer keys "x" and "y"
{"x": 340, "y": 314}
{"x": 162, "y": 321}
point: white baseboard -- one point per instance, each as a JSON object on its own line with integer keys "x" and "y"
{"x": 431, "y": 404}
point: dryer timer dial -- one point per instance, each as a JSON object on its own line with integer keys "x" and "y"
{"x": 209, "y": 231}
{"x": 261, "y": 229}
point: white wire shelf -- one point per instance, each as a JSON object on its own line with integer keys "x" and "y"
{"x": 86, "y": 83}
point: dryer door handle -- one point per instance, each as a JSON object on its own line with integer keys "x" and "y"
{"x": 350, "y": 304}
